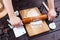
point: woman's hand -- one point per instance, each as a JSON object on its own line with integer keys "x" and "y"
{"x": 16, "y": 21}
{"x": 51, "y": 14}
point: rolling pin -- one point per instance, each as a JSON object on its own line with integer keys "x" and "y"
{"x": 41, "y": 17}
{"x": 30, "y": 19}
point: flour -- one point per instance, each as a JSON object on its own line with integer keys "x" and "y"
{"x": 35, "y": 24}
{"x": 32, "y": 13}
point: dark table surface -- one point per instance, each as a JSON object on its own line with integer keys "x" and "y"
{"x": 51, "y": 35}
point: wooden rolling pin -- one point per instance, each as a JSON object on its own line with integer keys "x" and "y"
{"x": 30, "y": 19}
{"x": 41, "y": 17}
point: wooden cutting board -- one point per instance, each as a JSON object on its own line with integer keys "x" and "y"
{"x": 35, "y": 27}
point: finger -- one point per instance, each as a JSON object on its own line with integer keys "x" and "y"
{"x": 16, "y": 25}
{"x": 48, "y": 17}
{"x": 51, "y": 18}
{"x": 20, "y": 23}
